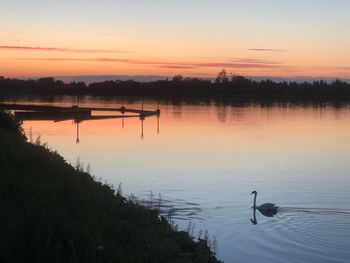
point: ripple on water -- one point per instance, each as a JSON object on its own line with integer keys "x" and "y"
{"x": 296, "y": 235}
{"x": 292, "y": 235}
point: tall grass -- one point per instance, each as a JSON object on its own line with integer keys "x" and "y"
{"x": 9, "y": 123}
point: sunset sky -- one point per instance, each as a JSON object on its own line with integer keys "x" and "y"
{"x": 189, "y": 37}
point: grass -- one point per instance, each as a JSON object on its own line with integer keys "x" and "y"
{"x": 52, "y": 212}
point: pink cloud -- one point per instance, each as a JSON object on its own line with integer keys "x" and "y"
{"x": 239, "y": 65}
{"x": 252, "y": 64}
{"x": 58, "y": 49}
{"x": 175, "y": 67}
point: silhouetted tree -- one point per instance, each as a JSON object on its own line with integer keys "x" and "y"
{"x": 178, "y": 78}
{"x": 222, "y": 77}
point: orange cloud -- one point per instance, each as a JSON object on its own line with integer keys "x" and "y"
{"x": 253, "y": 60}
{"x": 343, "y": 68}
{"x": 267, "y": 50}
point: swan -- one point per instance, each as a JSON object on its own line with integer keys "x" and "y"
{"x": 267, "y": 209}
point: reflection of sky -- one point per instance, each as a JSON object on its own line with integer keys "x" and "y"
{"x": 276, "y": 38}
{"x": 207, "y": 160}
{"x": 201, "y": 138}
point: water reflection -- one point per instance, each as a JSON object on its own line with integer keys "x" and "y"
{"x": 293, "y": 211}
{"x": 142, "y": 119}
{"x": 78, "y": 121}
{"x": 253, "y": 220}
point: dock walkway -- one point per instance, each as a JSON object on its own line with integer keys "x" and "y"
{"x": 30, "y": 112}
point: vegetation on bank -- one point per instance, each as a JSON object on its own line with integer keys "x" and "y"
{"x": 51, "y": 212}
{"x": 223, "y": 88}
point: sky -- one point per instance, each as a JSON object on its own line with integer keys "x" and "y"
{"x": 194, "y": 38}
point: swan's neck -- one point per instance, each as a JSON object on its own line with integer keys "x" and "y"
{"x": 254, "y": 204}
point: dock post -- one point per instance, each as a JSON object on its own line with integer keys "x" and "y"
{"x": 77, "y": 140}
{"x": 157, "y": 124}
{"x": 142, "y": 129}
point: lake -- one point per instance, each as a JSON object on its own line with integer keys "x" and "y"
{"x": 204, "y": 159}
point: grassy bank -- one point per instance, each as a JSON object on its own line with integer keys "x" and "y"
{"x": 50, "y": 212}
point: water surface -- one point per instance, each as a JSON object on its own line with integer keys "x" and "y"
{"x": 205, "y": 159}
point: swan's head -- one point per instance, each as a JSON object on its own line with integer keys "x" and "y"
{"x": 254, "y": 193}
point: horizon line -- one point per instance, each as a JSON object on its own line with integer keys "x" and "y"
{"x": 162, "y": 77}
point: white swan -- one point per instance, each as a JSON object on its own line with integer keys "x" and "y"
{"x": 267, "y": 209}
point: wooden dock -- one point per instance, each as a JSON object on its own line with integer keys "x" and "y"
{"x": 59, "y": 113}
{"x": 25, "y": 107}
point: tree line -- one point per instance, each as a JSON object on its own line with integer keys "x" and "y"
{"x": 178, "y": 87}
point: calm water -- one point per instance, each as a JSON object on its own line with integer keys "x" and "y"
{"x": 206, "y": 159}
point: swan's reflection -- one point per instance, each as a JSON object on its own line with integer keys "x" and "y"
{"x": 264, "y": 212}
{"x": 253, "y": 220}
